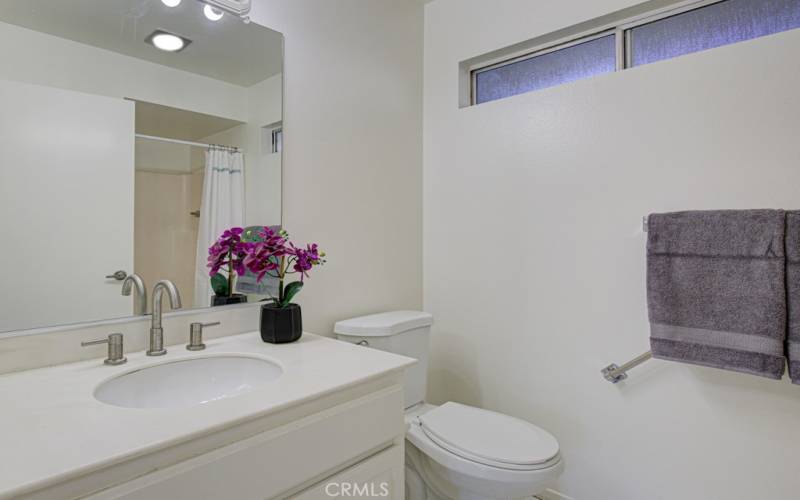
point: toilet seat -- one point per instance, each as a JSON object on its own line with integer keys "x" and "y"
{"x": 448, "y": 473}
{"x": 490, "y": 439}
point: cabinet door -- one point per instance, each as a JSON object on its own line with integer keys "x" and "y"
{"x": 380, "y": 476}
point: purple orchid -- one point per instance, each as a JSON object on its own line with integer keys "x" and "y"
{"x": 277, "y": 257}
{"x": 305, "y": 259}
{"x": 274, "y": 255}
{"x": 228, "y": 251}
{"x": 264, "y": 256}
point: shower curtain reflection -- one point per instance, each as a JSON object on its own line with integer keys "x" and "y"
{"x": 221, "y": 208}
{"x": 184, "y": 198}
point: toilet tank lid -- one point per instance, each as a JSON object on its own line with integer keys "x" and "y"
{"x": 384, "y": 324}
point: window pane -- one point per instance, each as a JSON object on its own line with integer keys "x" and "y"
{"x": 277, "y": 140}
{"x": 718, "y": 24}
{"x": 561, "y": 66}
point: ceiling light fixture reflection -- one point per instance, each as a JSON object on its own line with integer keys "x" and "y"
{"x": 171, "y": 3}
{"x": 167, "y": 42}
{"x": 212, "y": 14}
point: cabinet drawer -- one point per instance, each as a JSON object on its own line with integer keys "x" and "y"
{"x": 380, "y": 476}
{"x": 277, "y": 461}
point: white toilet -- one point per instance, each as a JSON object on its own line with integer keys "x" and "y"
{"x": 454, "y": 451}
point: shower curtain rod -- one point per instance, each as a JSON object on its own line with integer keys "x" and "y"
{"x": 186, "y": 143}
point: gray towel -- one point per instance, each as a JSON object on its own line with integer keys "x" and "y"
{"x": 793, "y": 294}
{"x": 716, "y": 289}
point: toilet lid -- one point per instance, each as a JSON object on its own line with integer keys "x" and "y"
{"x": 489, "y": 438}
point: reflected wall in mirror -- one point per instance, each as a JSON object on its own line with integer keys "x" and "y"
{"x": 107, "y": 163}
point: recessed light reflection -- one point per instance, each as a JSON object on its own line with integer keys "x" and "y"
{"x": 170, "y": 43}
{"x": 171, "y": 3}
{"x": 167, "y": 42}
{"x": 212, "y": 14}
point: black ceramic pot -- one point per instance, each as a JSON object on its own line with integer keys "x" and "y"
{"x": 280, "y": 325}
{"x": 223, "y": 300}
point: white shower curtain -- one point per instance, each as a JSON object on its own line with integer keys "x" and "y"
{"x": 221, "y": 208}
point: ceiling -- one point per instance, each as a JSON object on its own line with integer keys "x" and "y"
{"x": 173, "y": 123}
{"x": 228, "y": 50}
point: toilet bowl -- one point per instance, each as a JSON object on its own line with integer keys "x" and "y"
{"x": 455, "y": 451}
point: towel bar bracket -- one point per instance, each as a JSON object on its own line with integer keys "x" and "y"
{"x": 614, "y": 373}
{"x": 617, "y": 376}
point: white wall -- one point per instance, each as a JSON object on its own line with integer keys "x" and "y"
{"x": 265, "y": 101}
{"x": 164, "y": 232}
{"x": 263, "y": 169}
{"x": 534, "y": 254}
{"x": 166, "y": 157}
{"x": 352, "y": 149}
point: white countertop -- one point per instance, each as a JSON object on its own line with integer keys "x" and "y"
{"x": 52, "y": 428}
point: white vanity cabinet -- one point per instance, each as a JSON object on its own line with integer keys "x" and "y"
{"x": 380, "y": 476}
{"x": 330, "y": 426}
{"x": 356, "y": 445}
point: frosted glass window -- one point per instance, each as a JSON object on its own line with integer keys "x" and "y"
{"x": 718, "y": 24}
{"x": 576, "y": 62}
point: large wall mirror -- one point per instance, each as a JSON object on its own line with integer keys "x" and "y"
{"x": 132, "y": 132}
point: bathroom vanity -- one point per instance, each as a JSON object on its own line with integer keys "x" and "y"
{"x": 241, "y": 419}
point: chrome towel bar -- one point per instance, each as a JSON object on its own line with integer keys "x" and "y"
{"x": 614, "y": 373}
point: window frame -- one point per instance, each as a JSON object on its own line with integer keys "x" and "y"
{"x": 622, "y": 38}
{"x": 277, "y": 139}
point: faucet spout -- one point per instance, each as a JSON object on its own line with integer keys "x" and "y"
{"x": 156, "y": 330}
{"x": 134, "y": 280}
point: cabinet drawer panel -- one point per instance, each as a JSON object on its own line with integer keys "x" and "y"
{"x": 380, "y": 476}
{"x": 268, "y": 464}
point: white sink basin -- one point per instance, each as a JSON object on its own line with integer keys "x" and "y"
{"x": 188, "y": 382}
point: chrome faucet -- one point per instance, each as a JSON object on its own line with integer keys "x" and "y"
{"x": 156, "y": 331}
{"x": 134, "y": 280}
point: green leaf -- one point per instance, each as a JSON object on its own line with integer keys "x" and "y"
{"x": 290, "y": 291}
{"x": 219, "y": 283}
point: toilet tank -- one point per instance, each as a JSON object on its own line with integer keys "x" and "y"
{"x": 400, "y": 332}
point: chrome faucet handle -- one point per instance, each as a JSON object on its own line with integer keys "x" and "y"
{"x": 196, "y": 335}
{"x": 116, "y": 354}
{"x": 118, "y": 275}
